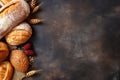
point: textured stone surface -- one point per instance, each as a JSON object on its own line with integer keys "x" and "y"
{"x": 79, "y": 40}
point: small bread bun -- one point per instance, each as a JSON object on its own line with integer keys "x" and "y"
{"x": 19, "y": 35}
{"x": 6, "y": 71}
{"x": 12, "y": 13}
{"x": 19, "y": 60}
{"x": 4, "y": 52}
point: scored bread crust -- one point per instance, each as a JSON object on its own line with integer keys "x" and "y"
{"x": 10, "y": 71}
{"x": 11, "y": 14}
{"x": 19, "y": 34}
{"x": 7, "y": 68}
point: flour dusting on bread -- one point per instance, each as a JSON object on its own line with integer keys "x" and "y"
{"x": 14, "y": 17}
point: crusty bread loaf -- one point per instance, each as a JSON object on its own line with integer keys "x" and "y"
{"x": 19, "y": 34}
{"x": 11, "y": 14}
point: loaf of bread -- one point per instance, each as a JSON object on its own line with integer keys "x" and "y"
{"x": 4, "y": 52}
{"x": 19, "y": 34}
{"x": 6, "y": 71}
{"x": 12, "y": 13}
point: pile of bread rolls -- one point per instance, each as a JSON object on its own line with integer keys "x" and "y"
{"x": 16, "y": 32}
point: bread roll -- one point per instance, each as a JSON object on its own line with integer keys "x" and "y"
{"x": 19, "y": 35}
{"x": 3, "y": 51}
{"x": 19, "y": 60}
{"x": 11, "y": 14}
{"x": 6, "y": 71}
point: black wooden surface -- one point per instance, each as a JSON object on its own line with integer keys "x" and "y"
{"x": 79, "y": 40}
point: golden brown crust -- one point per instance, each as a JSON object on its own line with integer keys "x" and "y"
{"x": 11, "y": 14}
{"x": 19, "y": 35}
{"x": 6, "y": 71}
{"x": 19, "y": 60}
{"x": 3, "y": 51}
{"x": 9, "y": 9}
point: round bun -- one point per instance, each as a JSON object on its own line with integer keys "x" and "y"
{"x": 4, "y": 52}
{"x": 19, "y": 35}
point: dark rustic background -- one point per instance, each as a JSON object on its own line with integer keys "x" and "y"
{"x": 79, "y": 40}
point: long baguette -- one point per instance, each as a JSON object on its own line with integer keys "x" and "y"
{"x": 11, "y": 14}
